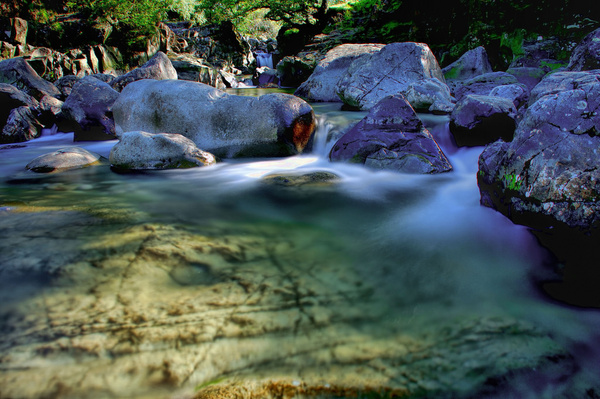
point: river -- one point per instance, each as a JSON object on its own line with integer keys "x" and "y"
{"x": 211, "y": 281}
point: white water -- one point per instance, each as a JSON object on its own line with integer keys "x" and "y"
{"x": 264, "y": 60}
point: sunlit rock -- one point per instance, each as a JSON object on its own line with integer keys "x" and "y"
{"x": 159, "y": 67}
{"x": 226, "y": 125}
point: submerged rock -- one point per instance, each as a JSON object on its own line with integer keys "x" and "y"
{"x": 391, "y": 137}
{"x": 223, "y": 124}
{"x": 142, "y": 150}
{"x": 63, "y": 159}
{"x": 395, "y": 69}
{"x": 480, "y": 120}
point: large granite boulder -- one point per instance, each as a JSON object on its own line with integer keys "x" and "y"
{"x": 89, "y": 109}
{"x": 21, "y": 125}
{"x": 158, "y": 67}
{"x": 395, "y": 69}
{"x": 63, "y": 159}
{"x": 391, "y": 137}
{"x": 558, "y": 82}
{"x": 322, "y": 84}
{"x": 142, "y": 150}
{"x": 483, "y": 84}
{"x": 480, "y": 120}
{"x": 516, "y": 92}
{"x": 586, "y": 55}
{"x": 549, "y": 175}
{"x": 17, "y": 72}
{"x": 224, "y": 124}
{"x": 529, "y": 76}
{"x": 471, "y": 64}
{"x": 11, "y": 98}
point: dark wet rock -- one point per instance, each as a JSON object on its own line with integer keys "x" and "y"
{"x": 226, "y": 125}
{"x": 395, "y": 69}
{"x": 312, "y": 179}
{"x": 18, "y": 31}
{"x": 480, "y": 120}
{"x": 88, "y": 108}
{"x": 266, "y": 77}
{"x": 142, "y": 150}
{"x": 529, "y": 76}
{"x": 586, "y": 56}
{"x": 17, "y": 72}
{"x": 11, "y": 98}
{"x": 549, "y": 175}
{"x": 63, "y": 159}
{"x": 471, "y": 64}
{"x": 545, "y": 54}
{"x": 21, "y": 125}
{"x": 322, "y": 83}
{"x": 49, "y": 111}
{"x": 159, "y": 67}
{"x": 65, "y": 85}
{"x": 483, "y": 84}
{"x": 391, "y": 137}
{"x": 294, "y": 70}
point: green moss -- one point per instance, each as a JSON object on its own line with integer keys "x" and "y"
{"x": 452, "y": 73}
{"x": 512, "y": 182}
{"x": 209, "y": 383}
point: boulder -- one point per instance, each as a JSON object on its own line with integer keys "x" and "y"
{"x": 63, "y": 159}
{"x": 65, "y": 85}
{"x": 558, "y": 82}
{"x": 471, "y": 64}
{"x": 89, "y": 107}
{"x": 224, "y": 124}
{"x": 49, "y": 109}
{"x": 266, "y": 77}
{"x": 142, "y": 150}
{"x": 158, "y": 67}
{"x": 529, "y": 76}
{"x": 18, "y": 31}
{"x": 548, "y": 177}
{"x": 516, "y": 92}
{"x": 11, "y": 98}
{"x": 545, "y": 54}
{"x": 391, "y": 137}
{"x": 21, "y": 125}
{"x": 322, "y": 83}
{"x": 17, "y": 72}
{"x": 586, "y": 55}
{"x": 480, "y": 120}
{"x": 294, "y": 70}
{"x": 483, "y": 84}
{"x": 392, "y": 70}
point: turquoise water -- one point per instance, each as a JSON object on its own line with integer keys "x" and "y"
{"x": 157, "y": 284}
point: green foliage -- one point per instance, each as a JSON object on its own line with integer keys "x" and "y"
{"x": 256, "y": 25}
{"x": 512, "y": 182}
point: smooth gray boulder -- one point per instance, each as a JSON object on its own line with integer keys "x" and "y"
{"x": 549, "y": 175}
{"x": 473, "y": 63}
{"x": 159, "y": 67}
{"x": 586, "y": 56}
{"x": 223, "y": 124}
{"x": 322, "y": 83}
{"x": 17, "y": 72}
{"x": 63, "y": 159}
{"x": 483, "y": 84}
{"x": 143, "y": 150}
{"x": 396, "y": 69}
{"x": 89, "y": 109}
{"x": 391, "y": 137}
{"x": 480, "y": 120}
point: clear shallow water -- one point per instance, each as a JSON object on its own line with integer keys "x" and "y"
{"x": 159, "y": 284}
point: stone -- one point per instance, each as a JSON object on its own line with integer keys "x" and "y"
{"x": 266, "y": 77}
{"x": 480, "y": 120}
{"x": 158, "y": 67}
{"x": 17, "y": 72}
{"x": 391, "y": 137}
{"x": 392, "y": 70}
{"x": 65, "y": 85}
{"x": 586, "y": 56}
{"x": 322, "y": 83}
{"x": 545, "y": 54}
{"x": 18, "y": 31}
{"x": 63, "y": 159}
{"x": 89, "y": 107}
{"x": 529, "y": 76}
{"x": 473, "y": 63}
{"x": 483, "y": 84}
{"x": 516, "y": 92}
{"x": 294, "y": 70}
{"x": 142, "y": 150}
{"x": 21, "y": 125}
{"x": 558, "y": 82}
{"x": 49, "y": 109}
{"x": 11, "y": 98}
{"x": 548, "y": 177}
{"x": 223, "y": 124}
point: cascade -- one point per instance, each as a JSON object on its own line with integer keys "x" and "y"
{"x": 264, "y": 60}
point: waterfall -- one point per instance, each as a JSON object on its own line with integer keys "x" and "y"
{"x": 321, "y": 146}
{"x": 264, "y": 60}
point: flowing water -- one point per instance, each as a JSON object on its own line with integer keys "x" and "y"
{"x": 213, "y": 280}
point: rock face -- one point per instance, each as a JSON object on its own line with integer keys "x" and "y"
{"x": 88, "y": 107}
{"x": 480, "y": 120}
{"x": 224, "y": 124}
{"x": 11, "y": 98}
{"x": 586, "y": 55}
{"x": 21, "y": 125}
{"x": 142, "y": 150}
{"x": 395, "y": 69}
{"x": 322, "y": 84}
{"x": 392, "y": 137}
{"x": 17, "y": 72}
{"x": 63, "y": 159}
{"x": 549, "y": 175}
{"x": 471, "y": 64}
{"x": 158, "y": 67}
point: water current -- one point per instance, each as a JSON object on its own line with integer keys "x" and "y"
{"x": 183, "y": 282}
